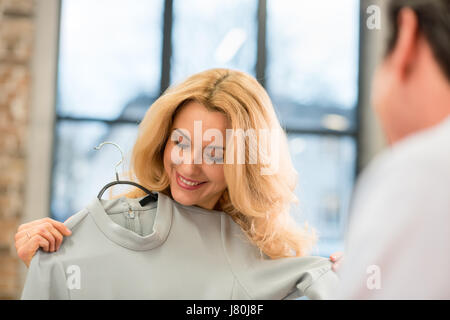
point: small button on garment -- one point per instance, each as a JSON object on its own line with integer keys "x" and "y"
{"x": 130, "y": 221}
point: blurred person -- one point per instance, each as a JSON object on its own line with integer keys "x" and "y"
{"x": 398, "y": 240}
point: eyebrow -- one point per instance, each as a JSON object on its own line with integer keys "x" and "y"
{"x": 207, "y": 147}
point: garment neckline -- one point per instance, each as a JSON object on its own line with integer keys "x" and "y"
{"x": 197, "y": 209}
{"x": 194, "y": 208}
{"x": 127, "y": 238}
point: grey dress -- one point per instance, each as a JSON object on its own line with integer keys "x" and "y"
{"x": 164, "y": 250}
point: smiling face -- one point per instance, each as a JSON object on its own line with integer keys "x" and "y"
{"x": 200, "y": 184}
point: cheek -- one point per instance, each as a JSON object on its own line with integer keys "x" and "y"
{"x": 380, "y": 97}
{"x": 215, "y": 174}
{"x": 166, "y": 158}
{"x": 376, "y": 90}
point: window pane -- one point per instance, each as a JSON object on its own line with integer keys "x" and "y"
{"x": 209, "y": 34}
{"x": 80, "y": 172}
{"x": 313, "y": 52}
{"x": 110, "y": 55}
{"x": 326, "y": 171}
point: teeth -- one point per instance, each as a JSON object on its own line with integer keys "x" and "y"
{"x": 188, "y": 182}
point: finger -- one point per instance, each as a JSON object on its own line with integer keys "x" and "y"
{"x": 42, "y": 231}
{"x": 20, "y": 240}
{"x": 41, "y": 243}
{"x": 336, "y": 256}
{"x": 57, "y": 224}
{"x": 335, "y": 266}
{"x": 57, "y": 235}
{"x": 24, "y": 236}
{"x": 27, "y": 251}
{"x": 20, "y": 237}
{"x": 31, "y": 224}
{"x": 61, "y": 227}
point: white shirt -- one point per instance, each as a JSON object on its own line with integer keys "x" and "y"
{"x": 398, "y": 240}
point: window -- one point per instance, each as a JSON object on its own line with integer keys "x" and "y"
{"x": 116, "y": 57}
{"x": 197, "y": 46}
{"x": 312, "y": 78}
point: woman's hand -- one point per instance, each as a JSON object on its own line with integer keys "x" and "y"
{"x": 46, "y": 233}
{"x": 336, "y": 258}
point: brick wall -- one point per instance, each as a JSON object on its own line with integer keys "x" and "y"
{"x": 16, "y": 37}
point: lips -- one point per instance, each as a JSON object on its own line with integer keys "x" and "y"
{"x": 188, "y": 183}
{"x": 189, "y": 180}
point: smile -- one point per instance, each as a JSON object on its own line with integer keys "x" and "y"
{"x": 188, "y": 184}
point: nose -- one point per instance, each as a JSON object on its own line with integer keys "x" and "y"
{"x": 189, "y": 167}
{"x": 192, "y": 171}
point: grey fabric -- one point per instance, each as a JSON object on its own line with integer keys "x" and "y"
{"x": 165, "y": 250}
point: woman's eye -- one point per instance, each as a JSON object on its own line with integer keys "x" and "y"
{"x": 216, "y": 155}
{"x": 182, "y": 146}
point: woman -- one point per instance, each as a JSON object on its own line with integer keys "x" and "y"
{"x": 258, "y": 203}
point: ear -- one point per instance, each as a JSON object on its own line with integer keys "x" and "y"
{"x": 406, "y": 44}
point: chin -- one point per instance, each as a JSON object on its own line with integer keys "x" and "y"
{"x": 182, "y": 199}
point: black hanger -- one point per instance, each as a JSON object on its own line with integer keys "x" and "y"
{"x": 149, "y": 198}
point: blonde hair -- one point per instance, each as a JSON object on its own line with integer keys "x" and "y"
{"x": 258, "y": 203}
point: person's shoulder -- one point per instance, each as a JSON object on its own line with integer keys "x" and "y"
{"x": 404, "y": 177}
{"x": 429, "y": 149}
{"x": 423, "y": 156}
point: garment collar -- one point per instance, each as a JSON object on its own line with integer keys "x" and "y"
{"x": 127, "y": 238}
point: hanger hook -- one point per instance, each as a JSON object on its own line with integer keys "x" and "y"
{"x": 121, "y": 153}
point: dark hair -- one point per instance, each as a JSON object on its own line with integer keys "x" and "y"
{"x": 434, "y": 23}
